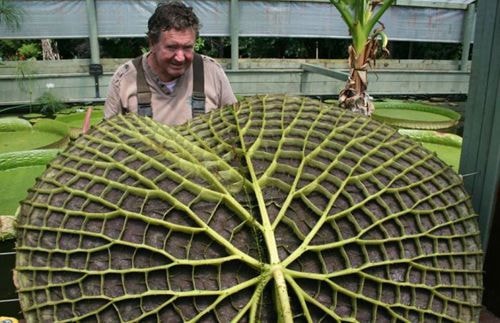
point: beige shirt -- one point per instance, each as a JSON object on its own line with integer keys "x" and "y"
{"x": 171, "y": 108}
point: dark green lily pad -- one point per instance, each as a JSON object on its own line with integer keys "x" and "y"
{"x": 415, "y": 115}
{"x": 447, "y": 146}
{"x": 18, "y": 171}
{"x": 19, "y": 135}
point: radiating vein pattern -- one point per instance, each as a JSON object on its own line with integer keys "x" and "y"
{"x": 278, "y": 209}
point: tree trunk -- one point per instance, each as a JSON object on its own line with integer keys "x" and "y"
{"x": 49, "y": 50}
{"x": 354, "y": 96}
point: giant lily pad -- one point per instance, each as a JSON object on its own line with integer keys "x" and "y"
{"x": 18, "y": 171}
{"x": 18, "y": 134}
{"x": 415, "y": 115}
{"x": 281, "y": 209}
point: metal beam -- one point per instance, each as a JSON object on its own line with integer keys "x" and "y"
{"x": 434, "y": 4}
{"x": 94, "y": 42}
{"x": 338, "y": 75}
{"x": 95, "y": 67}
{"x": 468, "y": 27}
{"x": 235, "y": 33}
{"x": 481, "y": 142}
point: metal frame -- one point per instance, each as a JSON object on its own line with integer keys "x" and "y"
{"x": 480, "y": 157}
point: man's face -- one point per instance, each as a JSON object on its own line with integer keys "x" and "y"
{"x": 172, "y": 55}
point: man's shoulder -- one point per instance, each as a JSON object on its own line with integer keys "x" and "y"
{"x": 210, "y": 62}
{"x": 125, "y": 70}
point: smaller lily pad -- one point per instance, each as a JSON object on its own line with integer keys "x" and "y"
{"x": 33, "y": 116}
{"x": 9, "y": 124}
{"x": 415, "y": 115}
{"x": 447, "y": 146}
{"x": 18, "y": 171}
{"x": 19, "y": 134}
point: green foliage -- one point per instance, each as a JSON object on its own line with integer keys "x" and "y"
{"x": 122, "y": 48}
{"x": 49, "y": 104}
{"x": 29, "y": 51}
{"x": 8, "y": 49}
{"x": 368, "y": 44}
{"x": 24, "y": 75}
{"x": 361, "y": 17}
{"x": 282, "y": 209}
{"x": 10, "y": 15}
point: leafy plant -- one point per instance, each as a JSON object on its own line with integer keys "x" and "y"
{"x": 49, "y": 104}
{"x": 368, "y": 43}
{"x": 10, "y": 15}
{"x": 281, "y": 209}
{"x": 25, "y": 70}
{"x": 29, "y": 51}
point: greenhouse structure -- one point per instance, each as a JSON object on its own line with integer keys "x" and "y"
{"x": 474, "y": 24}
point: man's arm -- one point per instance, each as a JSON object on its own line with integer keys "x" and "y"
{"x": 113, "y": 104}
{"x": 226, "y": 93}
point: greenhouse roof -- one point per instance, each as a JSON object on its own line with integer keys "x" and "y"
{"x": 457, "y": 4}
{"x": 435, "y": 3}
{"x": 412, "y": 20}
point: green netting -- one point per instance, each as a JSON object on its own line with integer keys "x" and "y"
{"x": 283, "y": 209}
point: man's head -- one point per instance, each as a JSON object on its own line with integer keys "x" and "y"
{"x": 172, "y": 32}
{"x": 171, "y": 15}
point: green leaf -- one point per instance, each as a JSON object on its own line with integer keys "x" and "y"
{"x": 282, "y": 209}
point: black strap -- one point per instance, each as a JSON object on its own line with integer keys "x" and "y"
{"x": 144, "y": 93}
{"x": 198, "y": 96}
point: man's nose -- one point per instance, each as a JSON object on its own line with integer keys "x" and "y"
{"x": 179, "y": 55}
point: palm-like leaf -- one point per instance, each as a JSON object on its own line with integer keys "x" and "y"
{"x": 368, "y": 43}
{"x": 282, "y": 209}
{"x": 10, "y": 15}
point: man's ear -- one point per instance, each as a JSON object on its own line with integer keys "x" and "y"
{"x": 151, "y": 44}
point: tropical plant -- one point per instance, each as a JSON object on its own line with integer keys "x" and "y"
{"x": 49, "y": 104}
{"x": 368, "y": 43}
{"x": 281, "y": 209}
{"x": 10, "y": 15}
{"x": 29, "y": 51}
{"x": 25, "y": 71}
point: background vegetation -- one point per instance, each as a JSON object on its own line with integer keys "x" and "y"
{"x": 220, "y": 47}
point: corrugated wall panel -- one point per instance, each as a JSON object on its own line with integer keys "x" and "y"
{"x": 128, "y": 18}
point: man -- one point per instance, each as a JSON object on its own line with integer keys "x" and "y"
{"x": 168, "y": 72}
